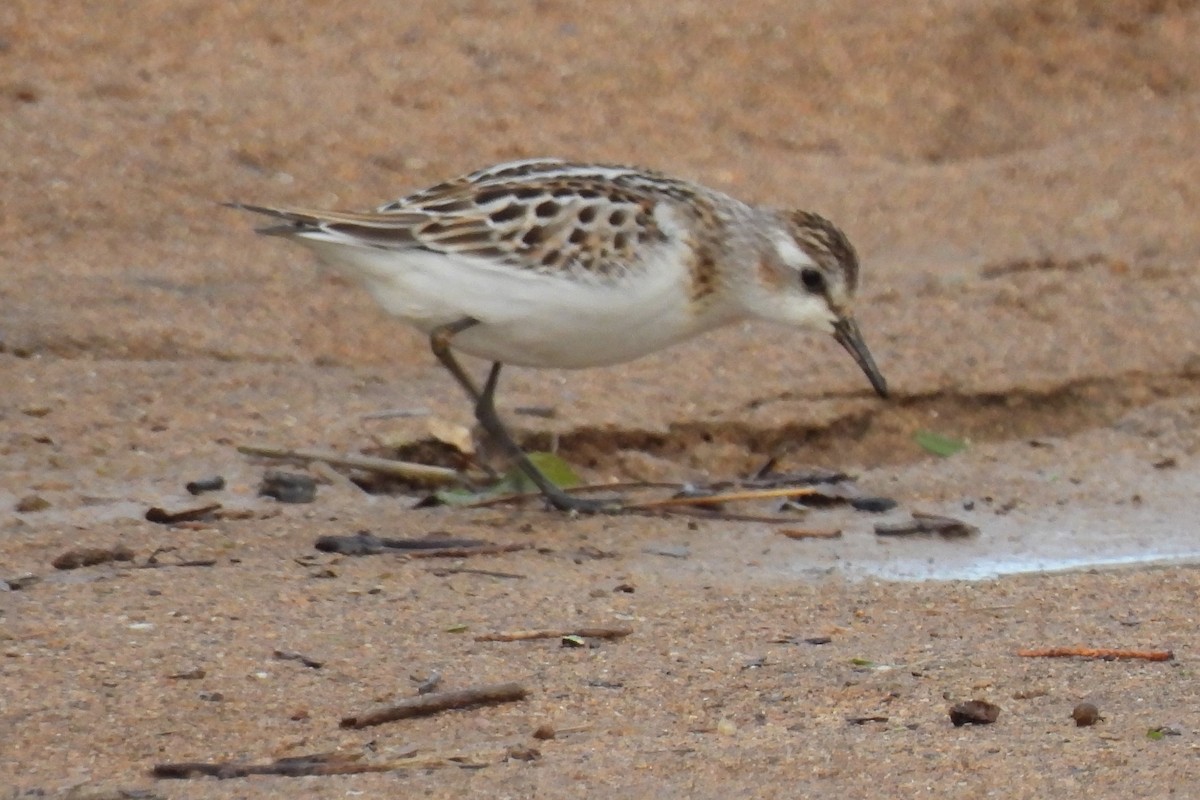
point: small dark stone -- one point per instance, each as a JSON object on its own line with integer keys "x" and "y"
{"x": 31, "y": 503}
{"x": 1085, "y": 714}
{"x": 523, "y": 753}
{"x": 214, "y": 484}
{"x": 194, "y": 674}
{"x": 20, "y": 582}
{"x": 873, "y": 505}
{"x": 161, "y": 516}
{"x": 974, "y": 712}
{"x": 924, "y": 524}
{"x": 288, "y": 487}
{"x": 90, "y": 556}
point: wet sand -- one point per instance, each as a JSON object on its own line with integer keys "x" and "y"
{"x": 1020, "y": 179}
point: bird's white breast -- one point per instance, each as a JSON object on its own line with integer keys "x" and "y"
{"x": 563, "y": 320}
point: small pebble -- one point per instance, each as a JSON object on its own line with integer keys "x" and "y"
{"x": 873, "y": 505}
{"x": 90, "y": 556}
{"x": 1085, "y": 714}
{"x": 19, "y": 582}
{"x": 288, "y": 487}
{"x": 523, "y": 753}
{"x": 214, "y": 484}
{"x": 974, "y": 712}
{"x": 31, "y": 503}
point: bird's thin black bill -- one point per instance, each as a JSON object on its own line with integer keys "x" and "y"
{"x": 847, "y": 334}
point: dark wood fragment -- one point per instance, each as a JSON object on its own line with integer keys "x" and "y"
{"x": 425, "y": 705}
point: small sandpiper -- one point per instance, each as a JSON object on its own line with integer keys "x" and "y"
{"x": 546, "y": 263}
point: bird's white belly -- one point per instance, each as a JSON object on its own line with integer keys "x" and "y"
{"x": 530, "y": 318}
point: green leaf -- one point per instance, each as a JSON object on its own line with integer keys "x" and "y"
{"x": 459, "y": 627}
{"x": 1154, "y": 734}
{"x": 558, "y": 471}
{"x": 937, "y": 444}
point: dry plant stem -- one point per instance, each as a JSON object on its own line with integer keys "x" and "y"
{"x": 427, "y": 704}
{"x": 665, "y": 503}
{"x": 555, "y": 633}
{"x": 1098, "y": 652}
{"x": 463, "y": 552}
{"x": 726, "y": 497}
{"x": 285, "y": 767}
{"x": 811, "y": 533}
{"x": 722, "y": 516}
{"x": 380, "y": 466}
{"x": 487, "y": 502}
{"x": 442, "y": 572}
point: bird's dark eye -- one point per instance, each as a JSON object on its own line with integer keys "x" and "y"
{"x": 813, "y": 280}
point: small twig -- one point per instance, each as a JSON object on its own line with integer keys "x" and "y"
{"x": 811, "y": 533}
{"x": 442, "y": 572}
{"x": 1104, "y": 653}
{"x": 725, "y": 516}
{"x": 922, "y": 523}
{"x": 288, "y": 655}
{"x": 463, "y": 552}
{"x": 430, "y": 683}
{"x": 397, "y": 413}
{"x": 365, "y": 543}
{"x": 163, "y": 517}
{"x": 194, "y": 562}
{"x": 555, "y": 633}
{"x": 726, "y": 497}
{"x": 296, "y": 767}
{"x": 628, "y": 486}
{"x": 428, "y": 704}
{"x": 379, "y": 466}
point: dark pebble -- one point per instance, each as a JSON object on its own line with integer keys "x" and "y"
{"x": 873, "y": 505}
{"x": 214, "y": 484}
{"x": 288, "y": 487}
{"x": 1085, "y": 714}
{"x": 974, "y": 712}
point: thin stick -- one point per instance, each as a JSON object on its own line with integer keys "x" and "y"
{"x": 555, "y": 633}
{"x": 588, "y": 488}
{"x": 380, "y": 466}
{"x": 442, "y": 572}
{"x": 727, "y": 497}
{"x": 1105, "y": 653}
{"x": 463, "y": 552}
{"x": 811, "y": 533}
{"x": 298, "y": 767}
{"x": 427, "y": 704}
{"x": 397, "y": 413}
{"x": 728, "y": 516}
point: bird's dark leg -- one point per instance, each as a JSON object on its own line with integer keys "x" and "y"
{"x": 439, "y": 342}
{"x": 485, "y": 413}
